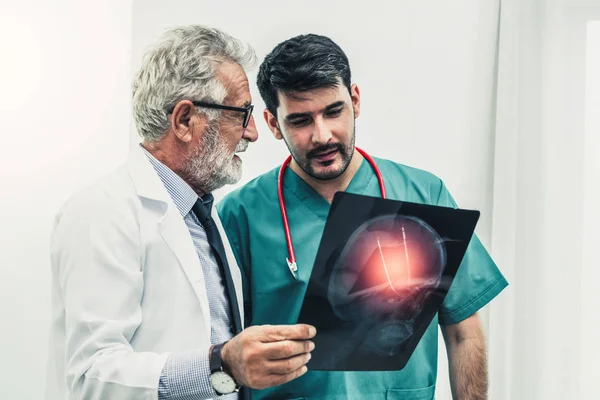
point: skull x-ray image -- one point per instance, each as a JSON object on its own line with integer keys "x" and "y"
{"x": 381, "y": 273}
{"x": 383, "y": 277}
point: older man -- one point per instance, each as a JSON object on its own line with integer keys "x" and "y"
{"x": 146, "y": 291}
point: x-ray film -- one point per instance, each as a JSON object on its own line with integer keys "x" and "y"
{"x": 381, "y": 272}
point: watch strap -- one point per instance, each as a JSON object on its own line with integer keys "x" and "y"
{"x": 216, "y": 363}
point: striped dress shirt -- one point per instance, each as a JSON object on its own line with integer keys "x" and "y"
{"x": 185, "y": 375}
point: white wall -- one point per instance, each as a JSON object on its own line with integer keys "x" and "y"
{"x": 544, "y": 329}
{"x": 425, "y": 70}
{"x": 590, "y": 279}
{"x": 64, "y": 107}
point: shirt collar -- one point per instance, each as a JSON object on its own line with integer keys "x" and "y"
{"x": 181, "y": 193}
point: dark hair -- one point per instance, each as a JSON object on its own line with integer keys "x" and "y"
{"x": 299, "y": 64}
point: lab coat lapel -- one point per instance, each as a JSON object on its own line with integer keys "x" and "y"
{"x": 175, "y": 232}
{"x": 172, "y": 227}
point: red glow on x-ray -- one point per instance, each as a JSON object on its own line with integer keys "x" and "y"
{"x": 391, "y": 259}
{"x": 399, "y": 267}
{"x": 397, "y": 264}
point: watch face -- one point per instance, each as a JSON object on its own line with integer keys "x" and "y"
{"x": 222, "y": 382}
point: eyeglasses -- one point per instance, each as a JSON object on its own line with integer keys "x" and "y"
{"x": 246, "y": 110}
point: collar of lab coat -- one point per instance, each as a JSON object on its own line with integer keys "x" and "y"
{"x": 145, "y": 179}
{"x": 175, "y": 232}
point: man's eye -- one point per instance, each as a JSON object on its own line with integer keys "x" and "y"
{"x": 334, "y": 113}
{"x": 238, "y": 116}
{"x": 300, "y": 122}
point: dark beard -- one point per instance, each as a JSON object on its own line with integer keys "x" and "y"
{"x": 346, "y": 153}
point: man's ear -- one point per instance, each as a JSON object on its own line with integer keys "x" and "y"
{"x": 272, "y": 123}
{"x": 182, "y": 118}
{"x": 355, "y": 96}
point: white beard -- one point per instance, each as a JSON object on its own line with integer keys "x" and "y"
{"x": 213, "y": 165}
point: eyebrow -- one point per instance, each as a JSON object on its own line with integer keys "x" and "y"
{"x": 244, "y": 105}
{"x": 308, "y": 114}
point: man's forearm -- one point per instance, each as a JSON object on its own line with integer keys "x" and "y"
{"x": 467, "y": 361}
{"x": 186, "y": 376}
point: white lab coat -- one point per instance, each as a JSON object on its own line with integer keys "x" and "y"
{"x": 127, "y": 288}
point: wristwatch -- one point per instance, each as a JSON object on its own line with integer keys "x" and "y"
{"x": 221, "y": 381}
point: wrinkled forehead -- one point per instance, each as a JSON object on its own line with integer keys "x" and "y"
{"x": 310, "y": 101}
{"x": 235, "y": 81}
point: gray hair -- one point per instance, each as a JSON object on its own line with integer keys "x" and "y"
{"x": 183, "y": 66}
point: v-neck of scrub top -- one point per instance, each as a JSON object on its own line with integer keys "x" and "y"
{"x": 360, "y": 184}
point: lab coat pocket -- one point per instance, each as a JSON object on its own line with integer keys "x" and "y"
{"x": 411, "y": 394}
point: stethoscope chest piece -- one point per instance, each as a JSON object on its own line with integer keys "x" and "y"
{"x": 293, "y": 268}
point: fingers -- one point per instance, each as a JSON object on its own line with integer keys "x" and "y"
{"x": 281, "y": 379}
{"x": 265, "y": 356}
{"x": 275, "y": 380}
{"x": 287, "y": 348}
{"x": 288, "y": 365}
{"x": 276, "y": 333}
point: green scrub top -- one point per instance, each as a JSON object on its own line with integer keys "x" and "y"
{"x": 252, "y": 219}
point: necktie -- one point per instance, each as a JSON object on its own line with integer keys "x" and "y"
{"x": 216, "y": 244}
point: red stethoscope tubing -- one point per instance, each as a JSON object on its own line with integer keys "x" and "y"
{"x": 286, "y": 224}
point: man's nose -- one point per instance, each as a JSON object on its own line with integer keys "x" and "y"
{"x": 321, "y": 133}
{"x": 250, "y": 132}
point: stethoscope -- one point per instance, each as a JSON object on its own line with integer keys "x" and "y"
{"x": 291, "y": 260}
